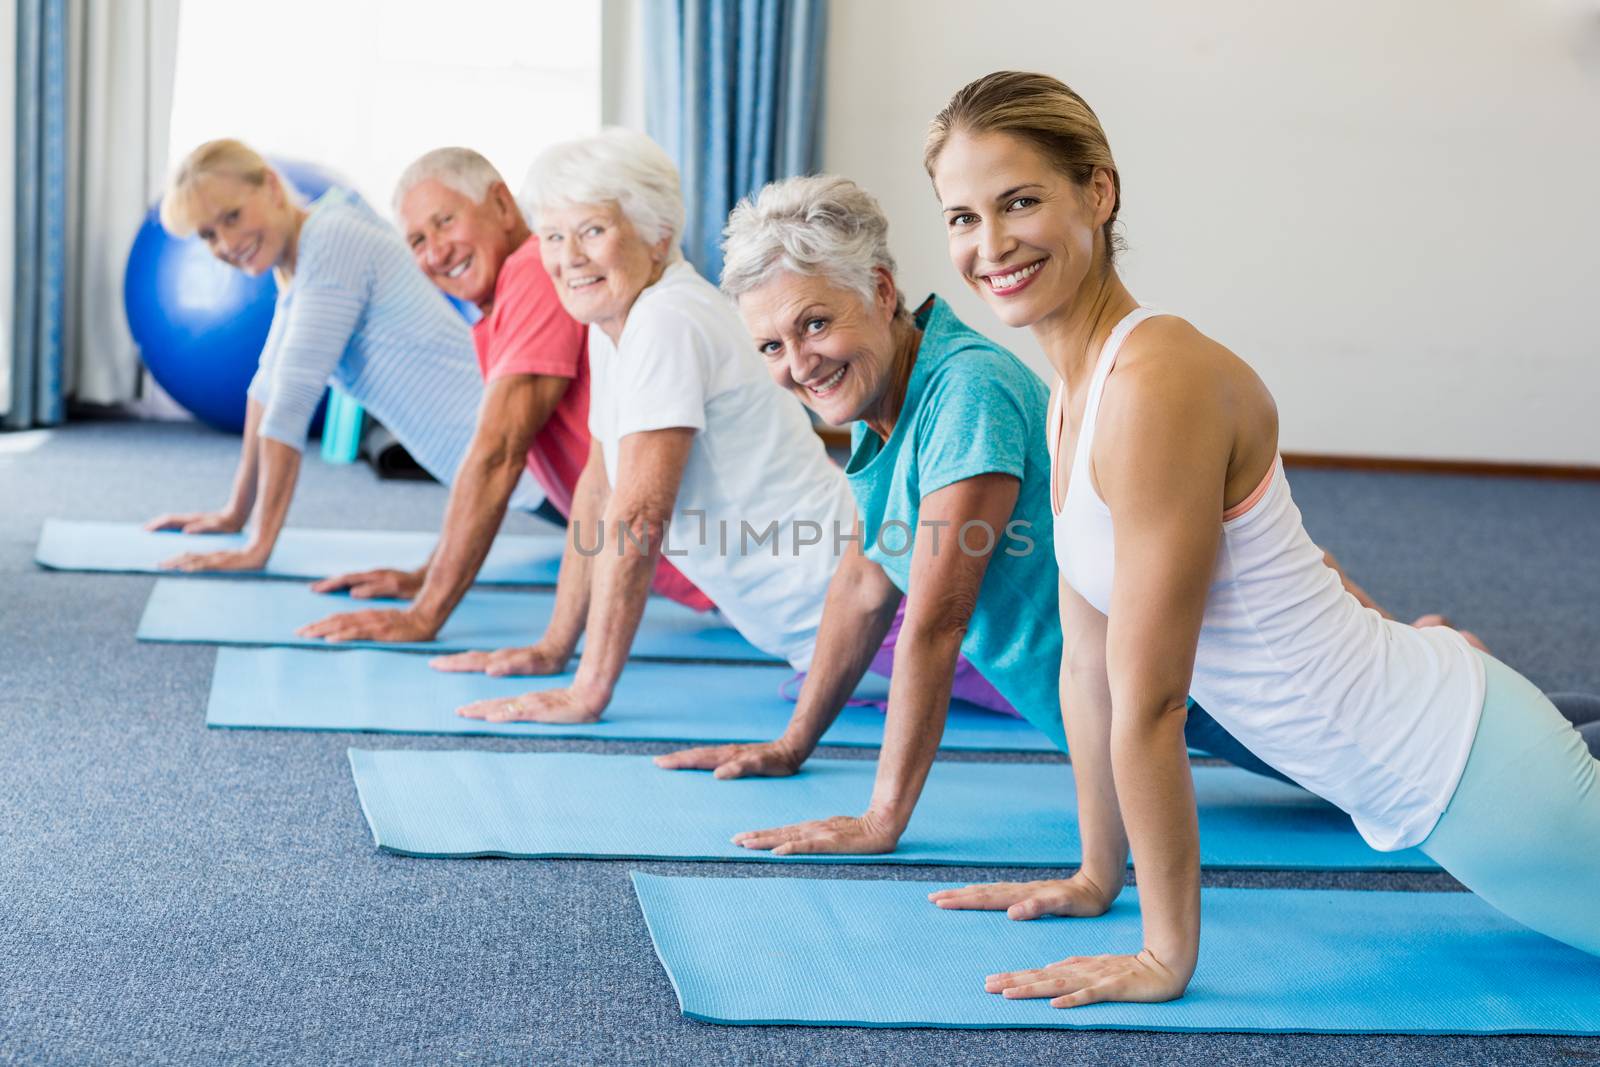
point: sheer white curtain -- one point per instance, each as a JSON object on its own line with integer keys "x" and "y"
{"x": 8, "y": 193}
{"x": 123, "y": 84}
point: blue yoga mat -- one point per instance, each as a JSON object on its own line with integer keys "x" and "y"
{"x": 515, "y": 559}
{"x": 542, "y": 804}
{"x": 861, "y": 953}
{"x": 700, "y": 703}
{"x": 230, "y": 612}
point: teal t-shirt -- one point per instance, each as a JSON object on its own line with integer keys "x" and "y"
{"x": 973, "y": 408}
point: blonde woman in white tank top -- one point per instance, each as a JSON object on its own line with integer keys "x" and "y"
{"x": 1186, "y": 569}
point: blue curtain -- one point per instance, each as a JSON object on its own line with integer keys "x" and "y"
{"x": 733, "y": 92}
{"x": 41, "y": 214}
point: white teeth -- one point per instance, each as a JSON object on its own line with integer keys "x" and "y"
{"x": 829, "y": 382}
{"x": 459, "y": 269}
{"x": 582, "y": 283}
{"x": 1006, "y": 281}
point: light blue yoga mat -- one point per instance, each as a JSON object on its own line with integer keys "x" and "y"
{"x": 515, "y": 559}
{"x": 699, "y": 703}
{"x": 861, "y": 953}
{"x": 231, "y": 612}
{"x": 543, "y": 804}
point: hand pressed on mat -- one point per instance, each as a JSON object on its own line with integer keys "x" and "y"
{"x": 382, "y": 583}
{"x": 767, "y": 759}
{"x": 194, "y": 522}
{"x": 869, "y": 834}
{"x": 551, "y": 705}
{"x": 244, "y": 559}
{"x": 1080, "y": 980}
{"x": 373, "y": 624}
{"x": 1077, "y": 896}
{"x": 538, "y": 660}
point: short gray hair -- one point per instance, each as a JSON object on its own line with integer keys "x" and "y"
{"x": 817, "y": 225}
{"x": 613, "y": 166}
{"x": 461, "y": 169}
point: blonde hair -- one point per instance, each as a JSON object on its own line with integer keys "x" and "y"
{"x": 225, "y": 158}
{"x": 1042, "y": 111}
{"x": 820, "y": 225}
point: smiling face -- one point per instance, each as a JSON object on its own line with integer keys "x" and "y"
{"x": 459, "y": 243}
{"x": 825, "y": 344}
{"x": 598, "y": 262}
{"x": 245, "y": 225}
{"x": 1021, "y": 233}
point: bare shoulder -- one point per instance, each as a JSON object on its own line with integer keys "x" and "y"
{"x": 1168, "y": 368}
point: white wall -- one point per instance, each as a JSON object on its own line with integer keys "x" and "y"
{"x": 1391, "y": 210}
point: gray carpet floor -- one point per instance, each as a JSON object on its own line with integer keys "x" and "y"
{"x": 173, "y": 895}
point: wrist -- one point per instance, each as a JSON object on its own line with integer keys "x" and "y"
{"x": 428, "y": 611}
{"x": 889, "y": 819}
{"x": 593, "y": 693}
{"x": 1102, "y": 885}
{"x": 796, "y": 748}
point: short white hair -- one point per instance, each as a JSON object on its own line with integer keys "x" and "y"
{"x": 819, "y": 225}
{"x": 613, "y": 166}
{"x": 461, "y": 169}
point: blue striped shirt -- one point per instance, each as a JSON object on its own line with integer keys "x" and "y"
{"x": 360, "y": 315}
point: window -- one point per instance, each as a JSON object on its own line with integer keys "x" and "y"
{"x": 365, "y": 86}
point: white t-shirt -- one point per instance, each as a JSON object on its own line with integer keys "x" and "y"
{"x": 758, "y": 483}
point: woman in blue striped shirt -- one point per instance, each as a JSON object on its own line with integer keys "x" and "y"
{"x": 353, "y": 311}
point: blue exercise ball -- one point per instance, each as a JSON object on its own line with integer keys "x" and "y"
{"x": 199, "y": 323}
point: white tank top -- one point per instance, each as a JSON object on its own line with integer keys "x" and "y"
{"x": 1373, "y": 715}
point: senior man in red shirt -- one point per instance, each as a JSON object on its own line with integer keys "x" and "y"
{"x": 463, "y": 225}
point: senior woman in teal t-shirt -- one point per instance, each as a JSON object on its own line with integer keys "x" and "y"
{"x": 950, "y": 473}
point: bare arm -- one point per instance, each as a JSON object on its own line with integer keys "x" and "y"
{"x": 649, "y": 470}
{"x": 514, "y": 410}
{"x": 278, "y": 470}
{"x": 1086, "y": 711}
{"x": 236, "y": 512}
{"x": 856, "y": 616}
{"x": 945, "y": 580}
{"x": 574, "y": 587}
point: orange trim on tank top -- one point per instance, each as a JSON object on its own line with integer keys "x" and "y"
{"x": 1254, "y": 498}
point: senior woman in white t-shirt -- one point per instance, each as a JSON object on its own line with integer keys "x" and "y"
{"x": 687, "y": 436}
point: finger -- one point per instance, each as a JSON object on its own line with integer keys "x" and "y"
{"x": 514, "y": 711}
{"x": 162, "y": 522}
{"x": 764, "y": 839}
{"x": 825, "y": 843}
{"x": 981, "y": 897}
{"x": 999, "y": 983}
{"x": 461, "y": 662}
{"x": 1090, "y": 994}
{"x": 195, "y": 526}
{"x": 333, "y": 584}
{"x": 320, "y": 628}
{"x": 371, "y": 590}
{"x": 1044, "y": 987}
{"x": 690, "y": 759}
{"x": 1037, "y": 904}
{"x": 733, "y": 767}
{"x": 478, "y": 709}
